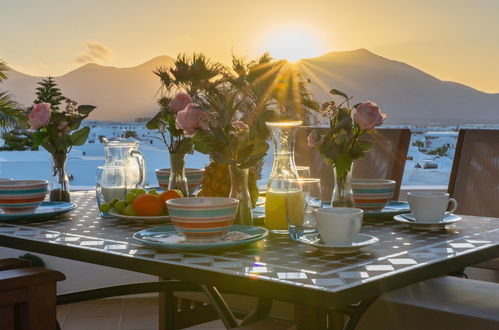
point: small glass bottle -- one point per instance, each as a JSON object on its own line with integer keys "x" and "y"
{"x": 283, "y": 169}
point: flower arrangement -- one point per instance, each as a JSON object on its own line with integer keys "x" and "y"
{"x": 342, "y": 144}
{"x": 53, "y": 126}
{"x": 54, "y": 131}
{"x": 184, "y": 86}
{"x": 224, "y": 133}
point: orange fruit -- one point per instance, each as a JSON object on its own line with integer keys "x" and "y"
{"x": 148, "y": 205}
{"x": 170, "y": 194}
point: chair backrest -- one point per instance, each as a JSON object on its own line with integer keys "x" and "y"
{"x": 385, "y": 161}
{"x": 474, "y": 179}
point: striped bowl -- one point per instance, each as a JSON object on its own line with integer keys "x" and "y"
{"x": 202, "y": 218}
{"x": 372, "y": 194}
{"x": 194, "y": 177}
{"x": 22, "y": 196}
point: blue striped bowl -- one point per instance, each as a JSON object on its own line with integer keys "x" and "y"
{"x": 22, "y": 196}
{"x": 204, "y": 219}
{"x": 194, "y": 177}
{"x": 372, "y": 194}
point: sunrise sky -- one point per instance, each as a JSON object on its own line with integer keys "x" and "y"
{"x": 451, "y": 39}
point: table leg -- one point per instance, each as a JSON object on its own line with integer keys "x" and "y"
{"x": 262, "y": 311}
{"x": 220, "y": 307}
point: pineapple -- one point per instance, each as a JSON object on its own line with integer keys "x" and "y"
{"x": 216, "y": 182}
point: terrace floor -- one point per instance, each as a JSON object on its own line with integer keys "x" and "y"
{"x": 117, "y": 314}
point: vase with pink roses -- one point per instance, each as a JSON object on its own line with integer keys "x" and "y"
{"x": 342, "y": 144}
{"x": 184, "y": 87}
{"x": 58, "y": 130}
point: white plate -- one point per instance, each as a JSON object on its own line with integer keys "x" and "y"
{"x": 142, "y": 219}
{"x": 409, "y": 219}
{"x": 360, "y": 241}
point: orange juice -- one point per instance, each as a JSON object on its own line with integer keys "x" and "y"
{"x": 275, "y": 208}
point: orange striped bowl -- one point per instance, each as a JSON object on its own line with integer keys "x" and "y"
{"x": 194, "y": 177}
{"x": 22, "y": 196}
{"x": 204, "y": 219}
{"x": 372, "y": 194}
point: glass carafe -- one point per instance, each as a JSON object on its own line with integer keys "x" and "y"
{"x": 123, "y": 152}
{"x": 283, "y": 169}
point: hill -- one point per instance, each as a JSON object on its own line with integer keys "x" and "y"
{"x": 406, "y": 94}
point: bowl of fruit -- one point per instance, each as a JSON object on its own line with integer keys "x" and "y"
{"x": 142, "y": 206}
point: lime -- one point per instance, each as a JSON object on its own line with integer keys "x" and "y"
{"x": 130, "y": 197}
{"x": 105, "y": 207}
{"x": 114, "y": 201}
{"x": 130, "y": 211}
{"x": 120, "y": 206}
{"x": 140, "y": 192}
{"x": 153, "y": 192}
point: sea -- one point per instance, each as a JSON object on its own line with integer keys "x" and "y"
{"x": 421, "y": 169}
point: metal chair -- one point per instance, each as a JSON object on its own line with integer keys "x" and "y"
{"x": 385, "y": 161}
{"x": 27, "y": 296}
{"x": 449, "y": 302}
{"x": 474, "y": 182}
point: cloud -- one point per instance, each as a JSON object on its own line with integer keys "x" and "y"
{"x": 94, "y": 52}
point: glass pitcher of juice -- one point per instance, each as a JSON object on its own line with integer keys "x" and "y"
{"x": 283, "y": 169}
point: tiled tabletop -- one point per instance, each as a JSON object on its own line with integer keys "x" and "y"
{"x": 276, "y": 259}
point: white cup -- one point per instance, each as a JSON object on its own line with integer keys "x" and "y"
{"x": 338, "y": 225}
{"x": 430, "y": 206}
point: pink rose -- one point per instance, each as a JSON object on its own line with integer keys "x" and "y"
{"x": 39, "y": 116}
{"x": 189, "y": 119}
{"x": 368, "y": 116}
{"x": 180, "y": 101}
{"x": 314, "y": 139}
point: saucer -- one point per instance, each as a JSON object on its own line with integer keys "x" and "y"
{"x": 157, "y": 237}
{"x": 409, "y": 219}
{"x": 360, "y": 241}
{"x": 45, "y": 210}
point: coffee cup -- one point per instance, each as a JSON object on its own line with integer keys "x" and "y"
{"x": 430, "y": 206}
{"x": 338, "y": 225}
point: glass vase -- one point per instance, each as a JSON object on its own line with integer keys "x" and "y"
{"x": 59, "y": 182}
{"x": 178, "y": 179}
{"x": 283, "y": 169}
{"x": 239, "y": 190}
{"x": 342, "y": 192}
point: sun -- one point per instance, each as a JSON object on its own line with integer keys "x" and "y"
{"x": 293, "y": 44}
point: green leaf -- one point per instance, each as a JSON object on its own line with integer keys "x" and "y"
{"x": 185, "y": 146}
{"x": 156, "y": 121}
{"x": 203, "y": 142}
{"x": 337, "y": 92}
{"x": 80, "y": 137}
{"x": 85, "y": 109}
{"x": 343, "y": 162}
{"x": 39, "y": 138}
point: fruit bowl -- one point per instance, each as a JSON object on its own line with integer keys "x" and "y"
{"x": 204, "y": 219}
{"x": 141, "y": 206}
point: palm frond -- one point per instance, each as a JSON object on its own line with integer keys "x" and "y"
{"x": 10, "y": 114}
{"x": 3, "y": 68}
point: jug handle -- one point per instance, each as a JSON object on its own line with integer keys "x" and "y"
{"x": 139, "y": 157}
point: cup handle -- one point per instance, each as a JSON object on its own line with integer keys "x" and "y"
{"x": 454, "y": 205}
{"x": 355, "y": 226}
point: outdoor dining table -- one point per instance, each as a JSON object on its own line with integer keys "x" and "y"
{"x": 275, "y": 268}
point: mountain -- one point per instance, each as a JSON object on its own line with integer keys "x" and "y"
{"x": 118, "y": 93}
{"x": 406, "y": 94}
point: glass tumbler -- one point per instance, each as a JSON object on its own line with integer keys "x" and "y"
{"x": 302, "y": 198}
{"x": 110, "y": 184}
